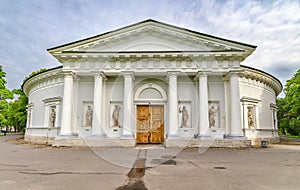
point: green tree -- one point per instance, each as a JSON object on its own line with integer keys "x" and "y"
{"x": 283, "y": 121}
{"x": 17, "y": 113}
{"x": 5, "y": 95}
{"x": 289, "y": 107}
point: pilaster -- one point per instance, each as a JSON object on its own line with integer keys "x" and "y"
{"x": 67, "y": 110}
{"x": 235, "y": 108}
{"x": 203, "y": 105}
{"x": 127, "y": 105}
{"x": 172, "y": 105}
{"x": 97, "y": 123}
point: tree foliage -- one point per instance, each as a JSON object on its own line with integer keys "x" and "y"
{"x": 17, "y": 113}
{"x": 13, "y": 113}
{"x": 35, "y": 73}
{"x": 5, "y": 95}
{"x": 289, "y": 107}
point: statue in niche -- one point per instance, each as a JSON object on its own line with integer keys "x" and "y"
{"x": 89, "y": 117}
{"x": 185, "y": 116}
{"x": 212, "y": 116}
{"x": 115, "y": 116}
{"x": 250, "y": 118}
{"x": 52, "y": 117}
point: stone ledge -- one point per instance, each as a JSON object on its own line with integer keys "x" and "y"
{"x": 117, "y": 142}
{"x": 93, "y": 142}
{"x": 257, "y": 141}
{"x": 39, "y": 139}
{"x": 230, "y": 143}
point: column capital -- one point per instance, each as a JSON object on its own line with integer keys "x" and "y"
{"x": 128, "y": 74}
{"x": 233, "y": 73}
{"x": 68, "y": 73}
{"x": 172, "y": 74}
{"x": 99, "y": 74}
{"x": 202, "y": 74}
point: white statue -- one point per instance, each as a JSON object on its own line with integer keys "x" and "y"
{"x": 89, "y": 117}
{"x": 115, "y": 116}
{"x": 250, "y": 118}
{"x": 185, "y": 116}
{"x": 212, "y": 116}
{"x": 52, "y": 117}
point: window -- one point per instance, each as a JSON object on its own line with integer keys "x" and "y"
{"x": 250, "y": 112}
{"x": 273, "y": 108}
{"x": 29, "y": 115}
{"x": 52, "y": 108}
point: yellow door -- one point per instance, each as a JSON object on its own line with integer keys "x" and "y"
{"x": 150, "y": 124}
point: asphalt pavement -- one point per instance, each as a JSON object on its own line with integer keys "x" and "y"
{"x": 27, "y": 167}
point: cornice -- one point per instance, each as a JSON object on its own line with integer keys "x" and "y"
{"x": 54, "y": 99}
{"x": 262, "y": 77}
{"x": 87, "y": 56}
{"x": 47, "y": 75}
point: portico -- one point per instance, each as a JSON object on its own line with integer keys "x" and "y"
{"x": 170, "y": 101}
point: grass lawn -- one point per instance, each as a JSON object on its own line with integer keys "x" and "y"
{"x": 292, "y": 136}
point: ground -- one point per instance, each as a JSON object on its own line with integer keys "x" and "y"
{"x": 26, "y": 166}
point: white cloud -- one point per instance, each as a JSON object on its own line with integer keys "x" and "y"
{"x": 28, "y": 28}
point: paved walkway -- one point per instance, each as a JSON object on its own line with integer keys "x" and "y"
{"x": 24, "y": 167}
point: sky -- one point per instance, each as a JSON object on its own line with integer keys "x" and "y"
{"x": 29, "y": 27}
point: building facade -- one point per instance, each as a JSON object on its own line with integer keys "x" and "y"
{"x": 152, "y": 82}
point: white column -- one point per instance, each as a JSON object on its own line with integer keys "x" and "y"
{"x": 46, "y": 115}
{"x": 57, "y": 109}
{"x": 29, "y": 115}
{"x": 236, "y": 122}
{"x": 66, "y": 123}
{"x": 227, "y": 106}
{"x": 172, "y": 105}
{"x": 203, "y": 106}
{"x": 128, "y": 105}
{"x": 97, "y": 123}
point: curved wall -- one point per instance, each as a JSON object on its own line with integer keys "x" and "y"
{"x": 44, "y": 91}
{"x": 258, "y": 92}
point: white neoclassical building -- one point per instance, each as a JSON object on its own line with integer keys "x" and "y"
{"x": 152, "y": 82}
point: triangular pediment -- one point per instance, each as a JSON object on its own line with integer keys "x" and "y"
{"x": 152, "y": 36}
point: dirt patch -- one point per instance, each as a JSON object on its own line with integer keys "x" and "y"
{"x": 133, "y": 184}
{"x": 135, "y": 175}
{"x": 21, "y": 141}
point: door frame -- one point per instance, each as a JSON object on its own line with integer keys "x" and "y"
{"x": 156, "y": 103}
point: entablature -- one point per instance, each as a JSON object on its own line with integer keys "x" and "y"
{"x": 103, "y": 56}
{"x": 261, "y": 77}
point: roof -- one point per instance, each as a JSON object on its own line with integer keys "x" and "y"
{"x": 151, "y": 21}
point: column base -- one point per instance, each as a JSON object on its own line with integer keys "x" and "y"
{"x": 203, "y": 136}
{"x": 238, "y": 137}
{"x": 169, "y": 136}
{"x": 97, "y": 135}
{"x": 67, "y": 135}
{"x": 127, "y": 136}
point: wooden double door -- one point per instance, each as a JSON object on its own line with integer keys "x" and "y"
{"x": 150, "y": 123}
